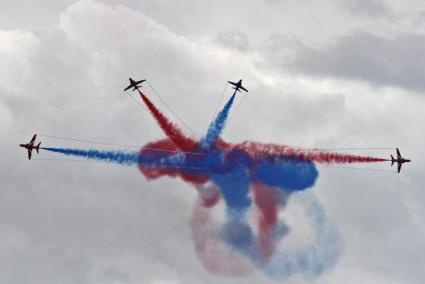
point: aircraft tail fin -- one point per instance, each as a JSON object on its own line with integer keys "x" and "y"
{"x": 37, "y": 148}
{"x": 392, "y": 160}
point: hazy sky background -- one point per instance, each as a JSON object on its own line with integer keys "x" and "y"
{"x": 320, "y": 73}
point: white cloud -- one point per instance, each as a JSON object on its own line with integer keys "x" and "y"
{"x": 15, "y": 47}
{"x": 94, "y": 223}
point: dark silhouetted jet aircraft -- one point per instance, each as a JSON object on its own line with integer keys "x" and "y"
{"x": 237, "y": 86}
{"x": 400, "y": 161}
{"x": 134, "y": 84}
{"x": 30, "y": 146}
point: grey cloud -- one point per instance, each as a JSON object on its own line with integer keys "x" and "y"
{"x": 234, "y": 39}
{"x": 27, "y": 14}
{"x": 371, "y": 8}
{"x": 398, "y": 61}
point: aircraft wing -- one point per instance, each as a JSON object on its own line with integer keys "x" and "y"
{"x": 138, "y": 82}
{"x": 244, "y": 89}
{"x": 129, "y": 87}
{"x": 29, "y": 154}
{"x": 231, "y": 83}
{"x": 33, "y": 139}
{"x": 399, "y": 167}
{"x": 398, "y": 154}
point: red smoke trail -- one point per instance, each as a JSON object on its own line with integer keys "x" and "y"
{"x": 209, "y": 195}
{"x": 167, "y": 146}
{"x": 216, "y": 257}
{"x": 171, "y": 130}
{"x": 266, "y": 199}
{"x": 156, "y": 172}
{"x": 264, "y": 151}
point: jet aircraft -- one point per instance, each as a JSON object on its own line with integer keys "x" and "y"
{"x": 30, "y": 146}
{"x": 134, "y": 84}
{"x": 400, "y": 160}
{"x": 237, "y": 86}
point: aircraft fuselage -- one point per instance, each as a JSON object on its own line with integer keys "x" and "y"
{"x": 400, "y": 160}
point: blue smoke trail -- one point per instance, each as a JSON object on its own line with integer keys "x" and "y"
{"x": 217, "y": 126}
{"x": 122, "y": 158}
{"x": 287, "y": 175}
{"x": 321, "y": 255}
{"x": 128, "y": 158}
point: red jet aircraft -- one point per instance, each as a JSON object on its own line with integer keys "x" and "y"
{"x": 30, "y": 146}
{"x": 134, "y": 84}
{"x": 400, "y": 161}
{"x": 237, "y": 86}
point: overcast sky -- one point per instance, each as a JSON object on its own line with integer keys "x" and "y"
{"x": 327, "y": 74}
